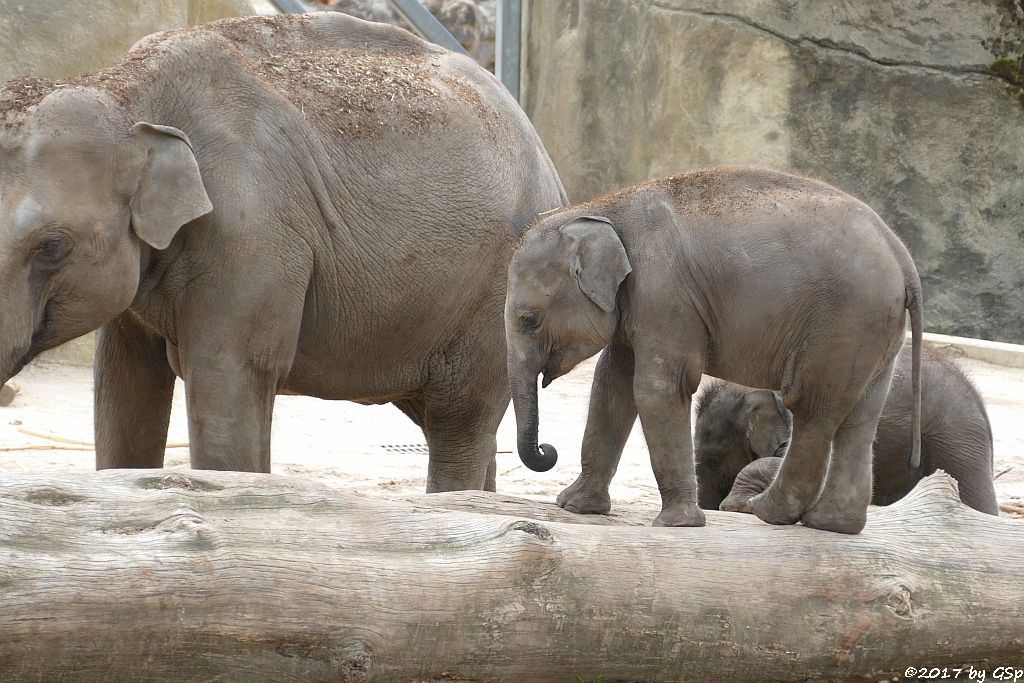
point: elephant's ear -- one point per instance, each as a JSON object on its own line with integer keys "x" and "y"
{"x": 597, "y": 258}
{"x": 767, "y": 420}
{"x": 170, "y": 190}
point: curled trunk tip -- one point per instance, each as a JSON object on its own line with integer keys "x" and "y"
{"x": 539, "y": 459}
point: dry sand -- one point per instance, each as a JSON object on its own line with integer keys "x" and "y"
{"x": 377, "y": 451}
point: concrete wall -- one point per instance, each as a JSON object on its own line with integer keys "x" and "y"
{"x": 915, "y": 107}
{"x": 61, "y": 38}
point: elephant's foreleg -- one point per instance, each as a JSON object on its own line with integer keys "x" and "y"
{"x": 230, "y": 404}
{"x": 234, "y": 364}
{"x": 134, "y": 386}
{"x": 610, "y": 419}
{"x": 662, "y": 387}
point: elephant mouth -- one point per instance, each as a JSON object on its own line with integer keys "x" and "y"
{"x": 781, "y": 450}
{"x": 42, "y": 340}
{"x": 23, "y": 359}
{"x": 551, "y": 370}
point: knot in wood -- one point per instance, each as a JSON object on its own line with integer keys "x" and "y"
{"x": 177, "y": 480}
{"x": 49, "y": 495}
{"x": 532, "y": 528}
{"x": 899, "y": 602}
{"x": 188, "y": 524}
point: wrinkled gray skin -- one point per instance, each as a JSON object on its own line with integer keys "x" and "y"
{"x": 731, "y": 441}
{"x": 751, "y": 275}
{"x": 253, "y": 245}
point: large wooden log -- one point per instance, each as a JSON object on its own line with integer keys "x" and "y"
{"x": 181, "y": 575}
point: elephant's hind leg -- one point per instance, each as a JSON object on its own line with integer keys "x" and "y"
{"x": 461, "y": 418}
{"x": 801, "y": 473}
{"x": 416, "y": 410}
{"x": 462, "y": 449}
{"x": 843, "y": 503}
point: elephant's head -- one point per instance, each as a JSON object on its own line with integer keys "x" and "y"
{"x": 85, "y": 193}
{"x": 735, "y": 425}
{"x": 561, "y": 309}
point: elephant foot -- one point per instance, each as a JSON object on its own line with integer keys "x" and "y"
{"x": 769, "y": 508}
{"x": 680, "y": 514}
{"x": 752, "y": 480}
{"x": 584, "y": 499}
{"x": 738, "y": 502}
{"x": 827, "y": 516}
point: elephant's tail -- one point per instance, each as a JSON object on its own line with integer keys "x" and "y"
{"x": 914, "y": 305}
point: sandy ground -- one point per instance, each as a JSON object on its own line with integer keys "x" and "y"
{"x": 378, "y": 451}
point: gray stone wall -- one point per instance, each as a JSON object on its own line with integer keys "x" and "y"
{"x": 62, "y": 38}
{"x": 915, "y": 107}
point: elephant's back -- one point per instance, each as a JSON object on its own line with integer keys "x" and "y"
{"x": 385, "y": 103}
{"x": 771, "y": 223}
{"x": 721, "y": 191}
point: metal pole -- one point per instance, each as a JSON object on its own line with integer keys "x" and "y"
{"x": 290, "y": 6}
{"x": 425, "y": 24}
{"x": 509, "y": 30}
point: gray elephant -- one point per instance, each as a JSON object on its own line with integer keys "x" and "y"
{"x": 751, "y": 275}
{"x": 300, "y": 204}
{"x": 739, "y": 429}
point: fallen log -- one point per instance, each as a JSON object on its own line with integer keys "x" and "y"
{"x": 187, "y": 575}
{"x": 8, "y": 391}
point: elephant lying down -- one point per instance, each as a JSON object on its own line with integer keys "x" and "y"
{"x": 740, "y": 429}
{"x": 751, "y": 275}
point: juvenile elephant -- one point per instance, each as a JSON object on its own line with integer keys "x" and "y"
{"x": 751, "y": 275}
{"x": 739, "y": 429}
{"x": 305, "y": 204}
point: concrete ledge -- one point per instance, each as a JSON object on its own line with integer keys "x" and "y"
{"x": 999, "y": 353}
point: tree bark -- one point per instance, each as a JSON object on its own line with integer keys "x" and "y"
{"x": 189, "y": 575}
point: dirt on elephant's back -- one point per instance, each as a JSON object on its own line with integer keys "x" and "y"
{"x": 24, "y": 92}
{"x": 121, "y": 80}
{"x": 359, "y": 93}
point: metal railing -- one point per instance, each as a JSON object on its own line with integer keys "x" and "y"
{"x": 507, "y": 41}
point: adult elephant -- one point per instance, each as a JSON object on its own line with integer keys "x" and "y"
{"x": 303, "y": 204}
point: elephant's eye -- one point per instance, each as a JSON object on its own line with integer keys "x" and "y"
{"x": 530, "y": 321}
{"x": 714, "y": 464}
{"x": 50, "y": 250}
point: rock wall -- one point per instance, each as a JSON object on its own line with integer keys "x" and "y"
{"x": 61, "y": 38}
{"x": 916, "y": 107}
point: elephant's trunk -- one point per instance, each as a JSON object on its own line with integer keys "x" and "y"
{"x": 523, "y": 386}
{"x": 18, "y": 334}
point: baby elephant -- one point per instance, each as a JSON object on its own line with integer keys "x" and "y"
{"x": 751, "y": 275}
{"x": 737, "y": 427}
